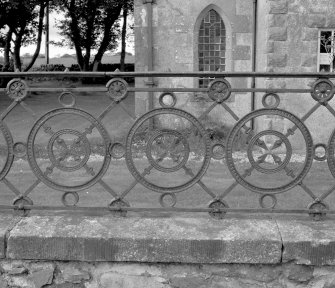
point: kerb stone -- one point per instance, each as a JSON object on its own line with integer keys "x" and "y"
{"x": 307, "y": 242}
{"x": 177, "y": 240}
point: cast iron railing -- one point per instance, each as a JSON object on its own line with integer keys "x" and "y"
{"x": 167, "y": 149}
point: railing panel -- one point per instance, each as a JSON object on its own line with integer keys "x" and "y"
{"x": 84, "y": 147}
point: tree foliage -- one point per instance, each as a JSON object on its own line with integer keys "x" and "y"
{"x": 21, "y": 22}
{"x": 90, "y": 25}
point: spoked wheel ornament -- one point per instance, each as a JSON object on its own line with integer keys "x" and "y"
{"x": 270, "y": 152}
{"x": 69, "y": 150}
{"x": 168, "y": 149}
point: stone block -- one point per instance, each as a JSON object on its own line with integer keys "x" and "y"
{"x": 309, "y": 60}
{"x": 177, "y": 240}
{"x": 243, "y": 7}
{"x": 242, "y": 24}
{"x": 278, "y": 33}
{"x": 277, "y": 60}
{"x": 242, "y": 53}
{"x": 315, "y": 20}
{"x": 7, "y": 222}
{"x": 277, "y": 20}
{"x": 278, "y": 7}
{"x": 243, "y": 39}
{"x": 330, "y": 20}
{"x": 310, "y": 34}
{"x": 270, "y": 47}
{"x": 308, "y": 242}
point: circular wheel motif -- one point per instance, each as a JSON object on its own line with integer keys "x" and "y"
{"x": 119, "y": 203}
{"x": 6, "y": 162}
{"x": 17, "y": 89}
{"x": 168, "y": 150}
{"x": 68, "y": 150}
{"x": 167, "y": 100}
{"x": 270, "y": 100}
{"x": 117, "y": 89}
{"x": 20, "y": 203}
{"x": 270, "y": 152}
{"x": 167, "y": 143}
{"x": 323, "y": 91}
{"x": 331, "y": 154}
{"x": 219, "y": 90}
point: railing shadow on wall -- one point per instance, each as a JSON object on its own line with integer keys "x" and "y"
{"x": 169, "y": 159}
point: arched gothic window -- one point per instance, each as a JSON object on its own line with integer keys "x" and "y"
{"x": 211, "y": 45}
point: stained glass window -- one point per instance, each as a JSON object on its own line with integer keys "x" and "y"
{"x": 211, "y": 45}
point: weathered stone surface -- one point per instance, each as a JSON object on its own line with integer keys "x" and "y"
{"x": 242, "y": 53}
{"x": 316, "y": 21}
{"x": 3, "y": 282}
{"x": 270, "y": 47}
{"x": 7, "y": 222}
{"x": 40, "y": 278}
{"x": 277, "y": 60}
{"x": 74, "y": 275}
{"x": 115, "y": 280}
{"x": 243, "y": 7}
{"x": 308, "y": 60}
{"x": 310, "y": 34}
{"x": 13, "y": 268}
{"x": 188, "y": 240}
{"x": 307, "y": 242}
{"x": 299, "y": 273}
{"x": 277, "y": 20}
{"x": 278, "y": 33}
{"x": 278, "y": 7}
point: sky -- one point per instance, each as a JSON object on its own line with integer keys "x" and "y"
{"x": 56, "y": 51}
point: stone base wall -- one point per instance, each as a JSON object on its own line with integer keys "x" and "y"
{"x": 124, "y": 275}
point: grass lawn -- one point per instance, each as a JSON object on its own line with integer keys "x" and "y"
{"x": 117, "y": 123}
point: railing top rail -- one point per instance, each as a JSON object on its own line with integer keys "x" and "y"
{"x": 168, "y": 74}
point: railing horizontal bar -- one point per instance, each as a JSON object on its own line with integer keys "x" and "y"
{"x": 171, "y": 209}
{"x": 161, "y": 89}
{"x": 167, "y": 74}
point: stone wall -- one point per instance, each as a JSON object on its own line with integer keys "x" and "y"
{"x": 175, "y": 37}
{"x": 38, "y": 274}
{"x": 287, "y": 42}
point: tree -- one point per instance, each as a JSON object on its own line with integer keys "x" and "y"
{"x": 90, "y": 25}
{"x": 127, "y": 8}
{"x": 21, "y": 22}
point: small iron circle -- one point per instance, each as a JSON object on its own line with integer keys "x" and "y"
{"x": 219, "y": 90}
{"x": 118, "y": 203}
{"x": 20, "y": 149}
{"x": 17, "y": 89}
{"x": 282, "y": 138}
{"x": 323, "y": 91}
{"x": 70, "y": 199}
{"x": 269, "y": 105}
{"x": 318, "y": 210}
{"x": 218, "y": 151}
{"x": 217, "y": 204}
{"x": 117, "y": 150}
{"x": 64, "y": 103}
{"x": 167, "y": 95}
{"x": 117, "y": 89}
{"x": 262, "y": 200}
{"x": 168, "y": 200}
{"x": 324, "y": 147}
{"x": 20, "y": 203}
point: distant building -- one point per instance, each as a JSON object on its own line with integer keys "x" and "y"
{"x": 217, "y": 35}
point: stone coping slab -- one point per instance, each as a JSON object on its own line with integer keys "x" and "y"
{"x": 167, "y": 240}
{"x": 176, "y": 240}
{"x": 307, "y": 242}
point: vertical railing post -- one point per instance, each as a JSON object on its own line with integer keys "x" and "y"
{"x": 150, "y": 81}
